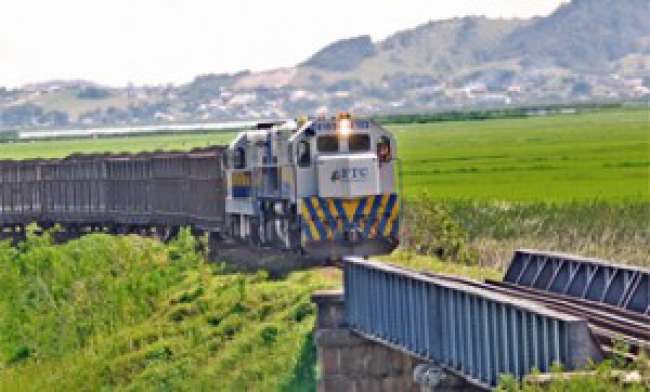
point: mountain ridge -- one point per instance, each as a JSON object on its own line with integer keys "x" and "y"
{"x": 586, "y": 50}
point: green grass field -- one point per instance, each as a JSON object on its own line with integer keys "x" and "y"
{"x": 63, "y": 147}
{"x": 594, "y": 155}
{"x": 603, "y": 155}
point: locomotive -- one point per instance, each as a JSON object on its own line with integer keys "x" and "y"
{"x": 323, "y": 187}
{"x": 326, "y": 187}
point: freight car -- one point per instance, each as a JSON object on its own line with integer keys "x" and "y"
{"x": 117, "y": 193}
{"x": 324, "y": 187}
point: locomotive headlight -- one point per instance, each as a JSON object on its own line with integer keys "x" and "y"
{"x": 345, "y": 126}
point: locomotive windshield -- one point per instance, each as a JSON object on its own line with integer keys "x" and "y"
{"x": 328, "y": 143}
{"x": 359, "y": 142}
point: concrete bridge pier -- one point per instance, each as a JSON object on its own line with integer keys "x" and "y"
{"x": 350, "y": 362}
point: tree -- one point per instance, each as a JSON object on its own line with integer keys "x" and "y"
{"x": 646, "y": 81}
{"x": 91, "y": 92}
{"x": 581, "y": 88}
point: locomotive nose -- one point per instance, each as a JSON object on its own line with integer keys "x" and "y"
{"x": 349, "y": 175}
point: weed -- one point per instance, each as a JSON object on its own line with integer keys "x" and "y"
{"x": 430, "y": 230}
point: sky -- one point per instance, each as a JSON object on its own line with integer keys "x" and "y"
{"x": 115, "y": 42}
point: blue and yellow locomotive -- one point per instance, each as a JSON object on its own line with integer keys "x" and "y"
{"x": 324, "y": 186}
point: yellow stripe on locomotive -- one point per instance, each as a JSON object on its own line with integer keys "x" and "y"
{"x": 361, "y": 218}
{"x": 241, "y": 184}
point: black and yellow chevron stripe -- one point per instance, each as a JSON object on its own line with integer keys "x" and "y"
{"x": 329, "y": 218}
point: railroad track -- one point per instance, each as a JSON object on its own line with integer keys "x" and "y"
{"x": 607, "y": 323}
{"x": 483, "y": 329}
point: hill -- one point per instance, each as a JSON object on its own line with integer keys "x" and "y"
{"x": 587, "y": 50}
{"x": 343, "y": 55}
{"x": 584, "y": 35}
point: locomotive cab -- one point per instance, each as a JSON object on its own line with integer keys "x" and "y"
{"x": 325, "y": 187}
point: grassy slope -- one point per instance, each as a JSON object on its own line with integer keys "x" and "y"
{"x": 138, "y": 315}
{"x": 222, "y": 339}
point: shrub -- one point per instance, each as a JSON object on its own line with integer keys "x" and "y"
{"x": 92, "y": 92}
{"x": 303, "y": 310}
{"x": 190, "y": 296}
{"x": 596, "y": 228}
{"x": 269, "y": 334}
{"x": 19, "y": 354}
{"x": 430, "y": 230}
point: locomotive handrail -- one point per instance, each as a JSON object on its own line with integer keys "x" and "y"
{"x": 400, "y": 186}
